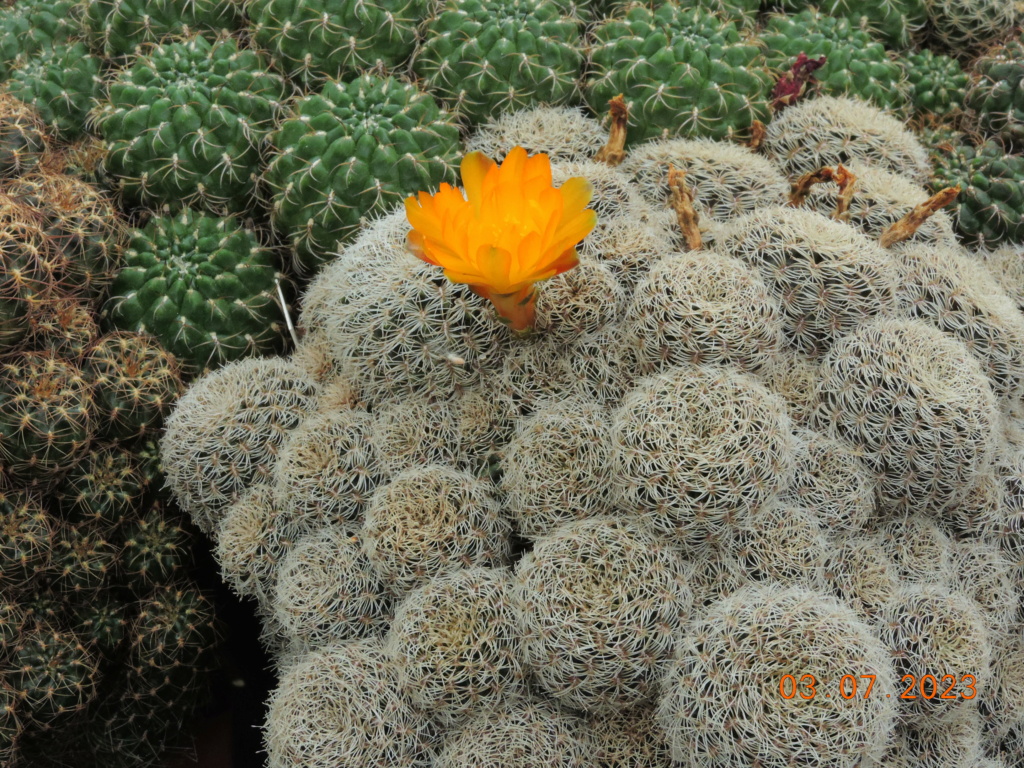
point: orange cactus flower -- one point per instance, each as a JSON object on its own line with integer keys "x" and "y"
{"x": 512, "y": 230}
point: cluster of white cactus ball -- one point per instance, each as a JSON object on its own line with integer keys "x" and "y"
{"x": 791, "y": 452}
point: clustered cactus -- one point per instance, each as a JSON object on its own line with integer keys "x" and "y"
{"x": 792, "y": 451}
{"x": 522, "y": 499}
{"x": 104, "y": 637}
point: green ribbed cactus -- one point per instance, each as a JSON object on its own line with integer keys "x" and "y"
{"x": 937, "y": 83}
{"x": 350, "y": 152}
{"x": 183, "y": 122}
{"x": 30, "y": 26}
{"x": 685, "y": 72}
{"x": 856, "y": 64}
{"x": 996, "y": 96}
{"x": 483, "y": 57}
{"x": 312, "y": 40}
{"x": 117, "y": 27}
{"x": 990, "y": 206}
{"x": 62, "y": 83}
{"x": 46, "y": 415}
{"x": 204, "y": 286}
{"x": 894, "y": 21}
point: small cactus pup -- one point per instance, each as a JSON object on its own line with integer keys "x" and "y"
{"x": 183, "y": 122}
{"x": 349, "y": 152}
{"x": 524, "y": 230}
{"x": 605, "y": 583}
{"x": 341, "y": 705}
{"x": 314, "y": 41}
{"x": 204, "y": 286}
{"x": 117, "y": 28}
{"x": 687, "y": 428}
{"x": 917, "y": 404}
{"x": 562, "y": 133}
{"x": 62, "y": 83}
{"x": 483, "y": 57}
{"x": 686, "y": 71}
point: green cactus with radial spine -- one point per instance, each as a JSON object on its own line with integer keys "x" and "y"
{"x": 990, "y": 206}
{"x": 46, "y": 415}
{"x": 86, "y": 229}
{"x": 686, "y": 73}
{"x": 23, "y": 137}
{"x": 351, "y": 152}
{"x": 30, "y": 26}
{"x": 996, "y": 96}
{"x": 117, "y": 27}
{"x": 101, "y": 623}
{"x": 184, "y": 121}
{"x": 53, "y": 673}
{"x": 312, "y": 40}
{"x": 155, "y": 548}
{"x": 205, "y": 287}
{"x": 482, "y": 57}
{"x": 62, "y": 83}
{"x": 856, "y": 64}
{"x": 104, "y": 489}
{"x": 135, "y": 382}
{"x": 26, "y": 540}
{"x": 894, "y": 21}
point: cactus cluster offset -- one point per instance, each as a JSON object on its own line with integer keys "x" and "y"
{"x": 557, "y": 499}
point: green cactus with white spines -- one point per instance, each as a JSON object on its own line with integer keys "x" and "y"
{"x": 350, "y": 152}
{"x": 205, "y": 286}
{"x": 482, "y": 57}
{"x": 62, "y": 83}
{"x": 30, "y": 26}
{"x": 856, "y": 64}
{"x": 116, "y": 28}
{"x": 894, "y": 21}
{"x": 996, "y": 96}
{"x": 183, "y": 122}
{"x": 686, "y": 72}
{"x": 314, "y": 40}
